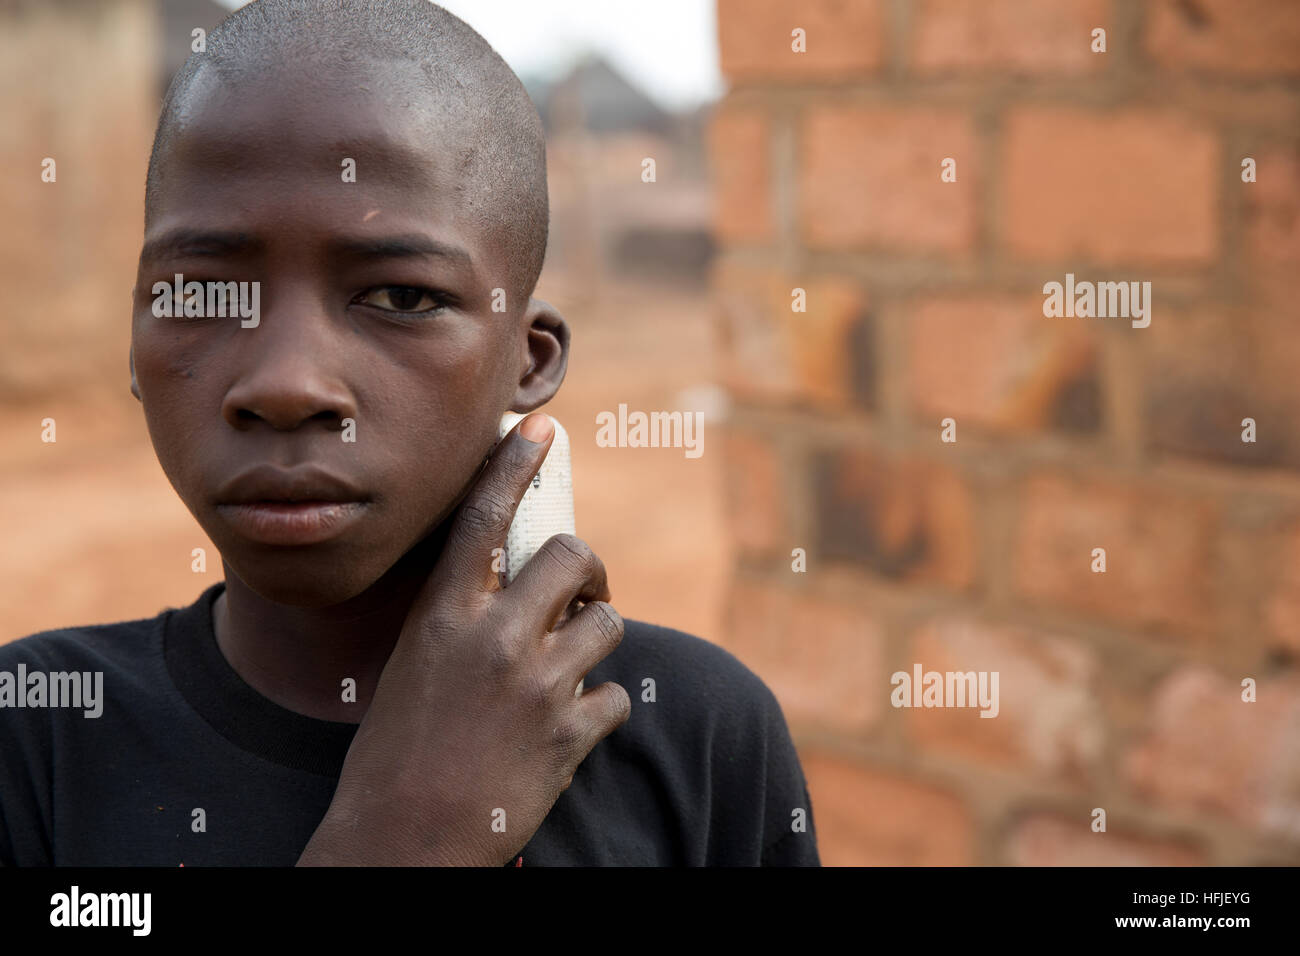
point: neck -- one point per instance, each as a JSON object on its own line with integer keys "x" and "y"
{"x": 299, "y": 657}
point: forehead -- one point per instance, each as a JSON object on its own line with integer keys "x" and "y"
{"x": 275, "y": 142}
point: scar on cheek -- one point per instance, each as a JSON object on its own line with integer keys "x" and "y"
{"x": 370, "y": 215}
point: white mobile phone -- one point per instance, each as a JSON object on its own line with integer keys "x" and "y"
{"x": 547, "y": 505}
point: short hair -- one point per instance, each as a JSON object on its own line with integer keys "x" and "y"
{"x": 501, "y": 140}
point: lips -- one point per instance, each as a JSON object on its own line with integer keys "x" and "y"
{"x": 266, "y": 483}
{"x": 298, "y": 506}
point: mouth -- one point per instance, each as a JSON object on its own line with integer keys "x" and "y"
{"x": 292, "y": 522}
{"x": 298, "y": 506}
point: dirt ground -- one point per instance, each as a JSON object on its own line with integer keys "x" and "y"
{"x": 94, "y": 533}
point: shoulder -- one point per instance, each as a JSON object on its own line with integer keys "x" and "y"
{"x": 667, "y": 645}
{"x": 83, "y": 645}
{"x": 717, "y": 739}
{"x": 687, "y": 669}
{"x": 694, "y": 697}
{"x": 128, "y": 655}
{"x": 49, "y": 682}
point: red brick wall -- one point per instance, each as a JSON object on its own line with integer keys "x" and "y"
{"x": 1119, "y": 690}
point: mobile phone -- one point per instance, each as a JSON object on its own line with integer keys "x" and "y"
{"x": 546, "y": 508}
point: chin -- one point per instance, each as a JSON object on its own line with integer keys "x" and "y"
{"x": 304, "y": 579}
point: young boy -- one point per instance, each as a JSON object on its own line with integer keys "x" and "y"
{"x": 361, "y": 689}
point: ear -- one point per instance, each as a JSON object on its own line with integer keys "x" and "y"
{"x": 545, "y": 356}
{"x": 135, "y": 389}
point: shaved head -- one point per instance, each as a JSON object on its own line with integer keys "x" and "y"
{"x": 468, "y": 98}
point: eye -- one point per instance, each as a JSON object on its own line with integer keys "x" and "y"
{"x": 212, "y": 298}
{"x": 402, "y": 298}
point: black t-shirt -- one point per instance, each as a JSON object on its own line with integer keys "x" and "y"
{"x": 705, "y": 775}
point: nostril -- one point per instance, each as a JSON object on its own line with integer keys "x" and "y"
{"x": 1193, "y": 13}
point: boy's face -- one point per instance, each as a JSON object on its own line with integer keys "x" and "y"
{"x": 375, "y": 305}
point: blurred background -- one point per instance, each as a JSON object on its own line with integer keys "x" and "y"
{"x": 779, "y": 170}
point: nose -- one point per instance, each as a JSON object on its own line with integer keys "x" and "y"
{"x": 290, "y": 373}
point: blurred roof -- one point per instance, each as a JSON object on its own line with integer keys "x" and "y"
{"x": 599, "y": 98}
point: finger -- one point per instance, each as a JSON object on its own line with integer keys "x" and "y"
{"x": 604, "y": 708}
{"x": 588, "y": 638}
{"x": 563, "y": 570}
{"x": 483, "y": 518}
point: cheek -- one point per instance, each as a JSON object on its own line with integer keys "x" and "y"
{"x": 446, "y": 409}
{"x": 165, "y": 362}
{"x": 171, "y": 381}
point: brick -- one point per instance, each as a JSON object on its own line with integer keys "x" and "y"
{"x": 817, "y": 653}
{"x": 1205, "y": 750}
{"x": 754, "y": 362}
{"x": 903, "y": 518}
{"x": 831, "y": 344}
{"x": 998, "y": 364}
{"x": 1272, "y": 209}
{"x": 1206, "y": 368}
{"x": 1043, "y": 839}
{"x": 867, "y": 817}
{"x": 1282, "y": 607}
{"x": 1023, "y": 37}
{"x": 844, "y": 38}
{"x": 755, "y": 498}
{"x": 1240, "y": 37}
{"x": 1048, "y": 720}
{"x": 869, "y": 176}
{"x": 1159, "y": 552}
{"x": 822, "y": 358}
{"x": 742, "y": 175}
{"x": 1122, "y": 187}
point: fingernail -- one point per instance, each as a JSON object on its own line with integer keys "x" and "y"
{"x": 537, "y": 428}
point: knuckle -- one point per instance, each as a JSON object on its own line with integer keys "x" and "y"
{"x": 571, "y": 553}
{"x": 622, "y": 704}
{"x": 619, "y": 705}
{"x": 486, "y": 514}
{"x": 608, "y": 622}
{"x": 503, "y": 655}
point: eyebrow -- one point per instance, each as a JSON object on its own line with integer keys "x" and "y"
{"x": 197, "y": 242}
{"x": 202, "y": 242}
{"x": 410, "y": 246}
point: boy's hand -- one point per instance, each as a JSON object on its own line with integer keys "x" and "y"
{"x": 474, "y": 730}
